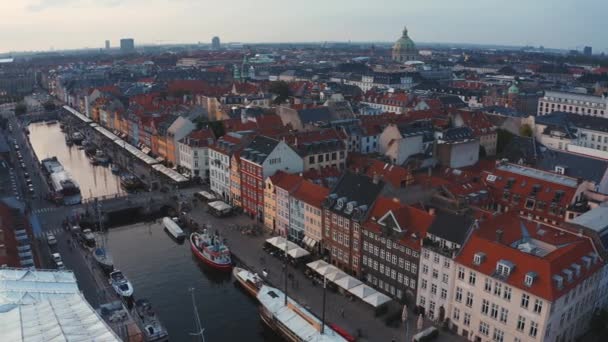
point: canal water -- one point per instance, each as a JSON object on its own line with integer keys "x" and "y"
{"x": 94, "y": 181}
{"x": 163, "y": 271}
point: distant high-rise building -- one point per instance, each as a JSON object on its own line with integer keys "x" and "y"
{"x": 215, "y": 43}
{"x": 127, "y": 44}
{"x": 107, "y": 45}
{"x": 587, "y": 51}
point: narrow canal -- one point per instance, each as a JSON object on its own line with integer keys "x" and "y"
{"x": 94, "y": 181}
{"x": 162, "y": 271}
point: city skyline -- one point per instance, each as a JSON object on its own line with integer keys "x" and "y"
{"x": 45, "y": 24}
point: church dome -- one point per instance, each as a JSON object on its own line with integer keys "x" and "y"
{"x": 513, "y": 89}
{"x": 405, "y": 43}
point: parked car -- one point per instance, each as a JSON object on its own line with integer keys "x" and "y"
{"x": 56, "y": 257}
{"x": 51, "y": 239}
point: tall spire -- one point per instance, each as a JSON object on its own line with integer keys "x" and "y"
{"x": 404, "y": 31}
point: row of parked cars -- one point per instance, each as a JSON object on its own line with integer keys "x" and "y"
{"x": 26, "y": 176}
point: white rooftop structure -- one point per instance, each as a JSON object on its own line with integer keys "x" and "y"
{"x": 47, "y": 306}
{"x": 539, "y": 174}
{"x": 596, "y": 219}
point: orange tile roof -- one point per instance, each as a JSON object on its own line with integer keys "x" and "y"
{"x": 565, "y": 249}
{"x": 286, "y": 181}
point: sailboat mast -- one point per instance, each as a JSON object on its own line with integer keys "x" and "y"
{"x": 199, "y": 328}
{"x": 323, "y": 316}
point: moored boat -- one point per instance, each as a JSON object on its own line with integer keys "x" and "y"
{"x": 210, "y": 249}
{"x": 250, "y": 281}
{"x": 121, "y": 285}
{"x": 292, "y": 321}
{"x": 103, "y": 259}
{"x": 153, "y": 329}
{"x": 173, "y": 229}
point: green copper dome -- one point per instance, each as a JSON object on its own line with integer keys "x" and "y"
{"x": 513, "y": 89}
{"x": 404, "y": 43}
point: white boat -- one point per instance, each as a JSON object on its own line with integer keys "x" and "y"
{"x": 153, "y": 329}
{"x": 293, "y": 322}
{"x": 173, "y": 229}
{"x": 120, "y": 284}
{"x": 251, "y": 282}
{"x": 104, "y": 259}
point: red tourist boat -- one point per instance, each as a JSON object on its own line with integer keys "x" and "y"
{"x": 210, "y": 249}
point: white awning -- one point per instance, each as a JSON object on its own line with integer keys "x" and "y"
{"x": 362, "y": 291}
{"x": 297, "y": 252}
{"x": 348, "y": 282}
{"x": 335, "y": 276}
{"x": 316, "y": 264}
{"x": 377, "y": 299}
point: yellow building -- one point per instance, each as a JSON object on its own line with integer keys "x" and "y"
{"x": 235, "y": 180}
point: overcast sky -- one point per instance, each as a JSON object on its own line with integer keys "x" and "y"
{"x": 61, "y": 24}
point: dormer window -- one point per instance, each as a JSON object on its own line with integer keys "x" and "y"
{"x": 587, "y": 262}
{"x": 529, "y": 278}
{"x": 559, "y": 281}
{"x": 478, "y": 258}
{"x": 577, "y": 269}
{"x": 504, "y": 268}
{"x": 569, "y": 274}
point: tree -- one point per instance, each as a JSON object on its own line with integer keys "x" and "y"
{"x": 20, "y": 108}
{"x": 525, "y": 130}
{"x": 503, "y": 139}
{"x": 217, "y": 127}
{"x": 280, "y": 89}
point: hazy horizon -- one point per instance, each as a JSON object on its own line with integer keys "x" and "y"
{"x": 39, "y": 25}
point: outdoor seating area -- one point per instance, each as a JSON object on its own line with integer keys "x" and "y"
{"x": 280, "y": 247}
{"x": 338, "y": 279}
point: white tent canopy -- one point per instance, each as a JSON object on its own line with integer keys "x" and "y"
{"x": 316, "y": 264}
{"x": 297, "y": 253}
{"x": 348, "y": 282}
{"x": 333, "y": 276}
{"x": 362, "y": 291}
{"x": 376, "y": 299}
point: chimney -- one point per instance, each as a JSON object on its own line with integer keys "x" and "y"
{"x": 499, "y": 235}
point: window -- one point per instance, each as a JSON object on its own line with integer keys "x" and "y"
{"x": 533, "y": 329}
{"x": 498, "y": 335}
{"x": 444, "y": 293}
{"x": 507, "y": 294}
{"x": 445, "y": 278}
{"x": 436, "y": 258}
{"x": 525, "y": 299}
{"x": 435, "y": 274}
{"x": 485, "y": 306}
{"x": 425, "y": 269}
{"x": 433, "y": 288}
{"x": 446, "y": 263}
{"x": 488, "y": 285}
{"x": 521, "y": 323}
{"x": 494, "y": 311}
{"x": 472, "y": 277}
{"x": 504, "y": 314}
{"x": 538, "y": 306}
{"x": 469, "y": 302}
{"x": 423, "y": 284}
{"x": 422, "y": 301}
{"x": 461, "y": 273}
{"x": 497, "y": 289}
{"x": 484, "y": 328}
{"x": 456, "y": 314}
{"x": 458, "y": 297}
{"x": 467, "y": 319}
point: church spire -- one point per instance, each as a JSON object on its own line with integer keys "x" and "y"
{"x": 404, "y": 31}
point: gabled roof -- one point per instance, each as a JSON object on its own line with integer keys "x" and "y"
{"x": 574, "y": 165}
{"x": 450, "y": 227}
{"x": 353, "y": 187}
{"x": 412, "y": 223}
{"x": 531, "y": 248}
{"x": 311, "y": 193}
{"x": 259, "y": 149}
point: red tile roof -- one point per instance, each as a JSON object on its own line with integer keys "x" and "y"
{"x": 477, "y": 121}
{"x": 311, "y": 193}
{"x": 413, "y": 221}
{"x": 286, "y": 181}
{"x": 392, "y": 174}
{"x": 562, "y": 250}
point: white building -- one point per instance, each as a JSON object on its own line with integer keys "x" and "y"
{"x": 219, "y": 162}
{"x": 582, "y": 104}
{"x": 520, "y": 280}
{"x": 194, "y": 153}
{"x": 444, "y": 239}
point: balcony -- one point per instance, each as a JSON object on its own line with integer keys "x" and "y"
{"x": 436, "y": 247}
